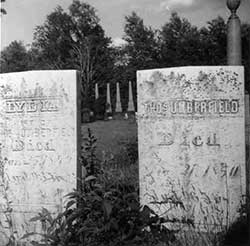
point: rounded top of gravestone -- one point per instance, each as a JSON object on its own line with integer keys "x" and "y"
{"x": 233, "y": 5}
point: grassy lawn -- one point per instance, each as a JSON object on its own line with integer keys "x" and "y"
{"x": 118, "y": 160}
{"x": 111, "y": 135}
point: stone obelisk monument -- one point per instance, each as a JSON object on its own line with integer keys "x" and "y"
{"x": 118, "y": 106}
{"x": 108, "y": 102}
{"x": 96, "y": 91}
{"x": 234, "y": 57}
{"x": 131, "y": 107}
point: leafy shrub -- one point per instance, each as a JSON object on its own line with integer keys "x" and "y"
{"x": 89, "y": 161}
{"x": 102, "y": 212}
{"x": 107, "y": 215}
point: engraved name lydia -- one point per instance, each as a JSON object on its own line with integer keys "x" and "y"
{"x": 31, "y": 105}
{"x": 218, "y": 106}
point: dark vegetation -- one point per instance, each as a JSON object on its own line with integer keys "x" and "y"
{"x": 105, "y": 210}
{"x": 238, "y": 234}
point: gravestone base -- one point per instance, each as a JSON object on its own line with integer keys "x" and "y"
{"x": 118, "y": 116}
{"x": 131, "y": 114}
{"x": 108, "y": 116}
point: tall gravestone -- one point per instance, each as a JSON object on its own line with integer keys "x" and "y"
{"x": 192, "y": 143}
{"x": 118, "y": 105}
{"x": 96, "y": 91}
{"x": 39, "y": 129}
{"x": 108, "y": 100}
{"x": 131, "y": 107}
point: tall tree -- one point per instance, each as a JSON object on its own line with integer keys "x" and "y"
{"x": 140, "y": 52}
{"x": 14, "y": 58}
{"x": 91, "y": 51}
{"x": 142, "y": 45}
{"x": 214, "y": 42}
{"x": 76, "y": 40}
{"x": 180, "y": 44}
{"x": 53, "y": 40}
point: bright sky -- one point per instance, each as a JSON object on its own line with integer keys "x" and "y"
{"x": 24, "y": 15}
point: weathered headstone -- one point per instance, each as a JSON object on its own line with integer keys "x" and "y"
{"x": 192, "y": 143}
{"x": 39, "y": 129}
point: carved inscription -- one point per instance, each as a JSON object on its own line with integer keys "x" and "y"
{"x": 186, "y": 107}
{"x": 168, "y": 138}
{"x": 34, "y": 176}
{"x": 32, "y": 105}
{"x": 31, "y": 145}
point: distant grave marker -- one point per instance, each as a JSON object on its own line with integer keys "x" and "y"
{"x": 38, "y": 144}
{"x": 192, "y": 142}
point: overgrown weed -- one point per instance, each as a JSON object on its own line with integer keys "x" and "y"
{"x": 104, "y": 211}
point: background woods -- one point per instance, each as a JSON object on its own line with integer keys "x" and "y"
{"x": 75, "y": 39}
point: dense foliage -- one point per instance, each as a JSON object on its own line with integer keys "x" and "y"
{"x": 14, "y": 58}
